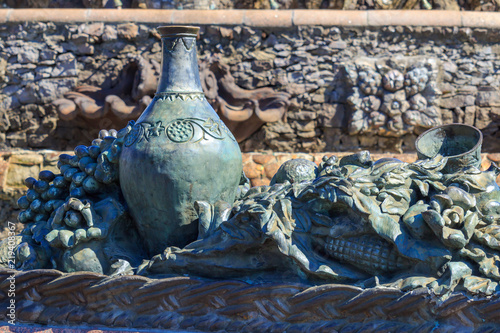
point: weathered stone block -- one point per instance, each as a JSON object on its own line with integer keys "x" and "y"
{"x": 110, "y": 33}
{"x": 4, "y": 165}
{"x": 271, "y": 169}
{"x": 260, "y": 182}
{"x": 27, "y": 95}
{"x": 483, "y": 119}
{"x": 65, "y": 69}
{"x": 470, "y": 115}
{"x": 28, "y": 55}
{"x": 302, "y": 115}
{"x": 65, "y": 57}
{"x": 127, "y": 30}
{"x": 282, "y": 62}
{"x": 6, "y": 104}
{"x": 26, "y": 159}
{"x": 488, "y": 97}
{"x": 263, "y": 159}
{"x": 295, "y": 88}
{"x": 47, "y": 55}
{"x": 306, "y": 134}
{"x": 332, "y": 115}
{"x": 43, "y": 71}
{"x": 49, "y": 90}
{"x": 93, "y": 29}
{"x": 450, "y": 67}
{"x": 251, "y": 170}
{"x": 456, "y": 101}
{"x": 18, "y": 173}
{"x": 338, "y": 45}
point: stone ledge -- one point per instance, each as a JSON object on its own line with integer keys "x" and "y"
{"x": 260, "y": 18}
{"x": 416, "y": 18}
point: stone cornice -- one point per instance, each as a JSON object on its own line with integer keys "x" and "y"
{"x": 260, "y": 18}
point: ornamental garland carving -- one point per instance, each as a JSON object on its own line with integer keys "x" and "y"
{"x": 178, "y": 131}
{"x": 393, "y": 96}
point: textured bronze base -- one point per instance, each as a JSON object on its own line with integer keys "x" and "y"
{"x": 49, "y": 297}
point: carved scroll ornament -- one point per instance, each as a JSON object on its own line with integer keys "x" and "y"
{"x": 126, "y": 100}
{"x": 243, "y": 111}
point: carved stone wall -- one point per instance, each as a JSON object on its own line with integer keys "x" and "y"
{"x": 107, "y": 73}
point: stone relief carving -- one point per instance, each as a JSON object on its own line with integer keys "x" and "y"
{"x": 392, "y": 97}
{"x": 126, "y": 100}
{"x": 243, "y": 111}
{"x": 191, "y": 304}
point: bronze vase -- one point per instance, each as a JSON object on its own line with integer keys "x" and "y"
{"x": 178, "y": 151}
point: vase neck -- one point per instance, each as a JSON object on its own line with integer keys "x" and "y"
{"x": 179, "y": 70}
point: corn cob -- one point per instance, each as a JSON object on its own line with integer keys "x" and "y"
{"x": 369, "y": 253}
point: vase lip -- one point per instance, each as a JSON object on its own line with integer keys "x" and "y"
{"x": 178, "y": 31}
{"x": 448, "y": 127}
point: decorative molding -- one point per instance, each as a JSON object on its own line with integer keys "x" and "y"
{"x": 178, "y": 131}
{"x": 187, "y": 42}
{"x": 171, "y": 96}
{"x": 261, "y": 18}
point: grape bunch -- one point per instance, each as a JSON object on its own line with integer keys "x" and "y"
{"x": 73, "y": 223}
{"x": 86, "y": 173}
{"x": 43, "y": 196}
{"x": 91, "y": 166}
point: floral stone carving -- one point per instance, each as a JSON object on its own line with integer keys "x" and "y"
{"x": 392, "y": 97}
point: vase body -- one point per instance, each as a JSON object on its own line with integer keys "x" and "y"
{"x": 177, "y": 152}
